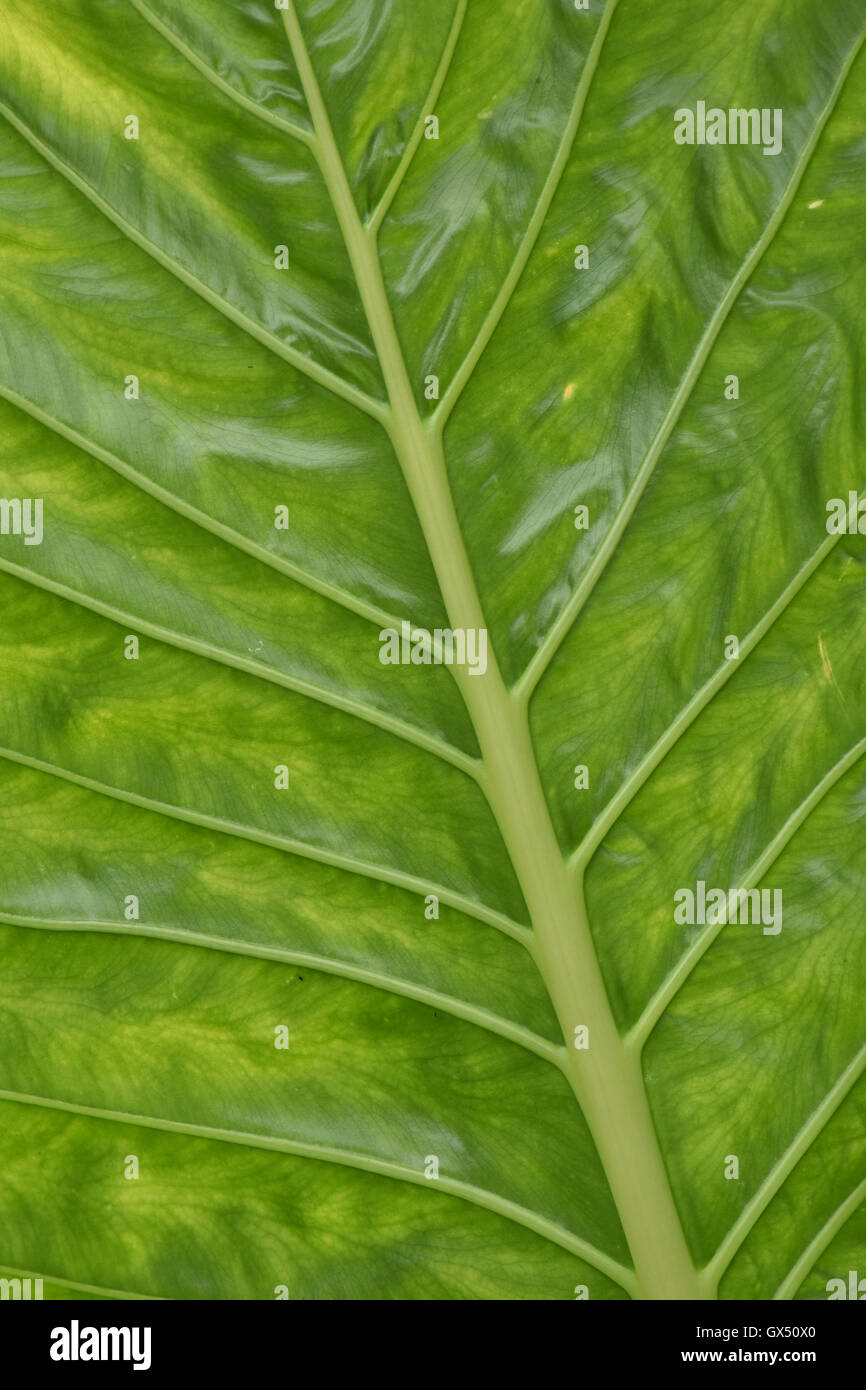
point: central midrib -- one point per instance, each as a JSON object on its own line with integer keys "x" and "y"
{"x": 606, "y": 1078}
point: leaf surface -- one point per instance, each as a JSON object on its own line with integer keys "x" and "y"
{"x": 332, "y": 274}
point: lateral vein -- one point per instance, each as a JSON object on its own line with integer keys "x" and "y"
{"x": 696, "y": 706}
{"x": 463, "y": 1009}
{"x": 805, "y": 1137}
{"x": 342, "y": 597}
{"x": 187, "y": 51}
{"x": 396, "y": 877}
{"x": 322, "y": 376}
{"x": 795, "y": 1276}
{"x": 379, "y": 214}
{"x": 533, "y": 228}
{"x": 677, "y": 977}
{"x": 347, "y": 704}
{"x": 454, "y": 1187}
{"x": 564, "y": 623}
{"x": 76, "y": 1284}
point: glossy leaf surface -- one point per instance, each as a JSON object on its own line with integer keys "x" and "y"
{"x": 300, "y": 949}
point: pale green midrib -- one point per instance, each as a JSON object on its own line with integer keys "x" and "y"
{"x": 453, "y": 1187}
{"x": 380, "y": 212}
{"x": 608, "y": 1087}
{"x": 360, "y": 607}
{"x": 381, "y": 719}
{"x": 211, "y": 75}
{"x": 9, "y": 1271}
{"x": 809, "y": 1131}
{"x": 322, "y": 376}
{"x": 567, "y": 618}
{"x": 396, "y": 877}
{"x": 676, "y": 978}
{"x": 695, "y": 706}
{"x": 813, "y": 1251}
{"x": 533, "y": 229}
{"x": 447, "y": 1003}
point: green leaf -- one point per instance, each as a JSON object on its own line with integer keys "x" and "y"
{"x": 300, "y": 949}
